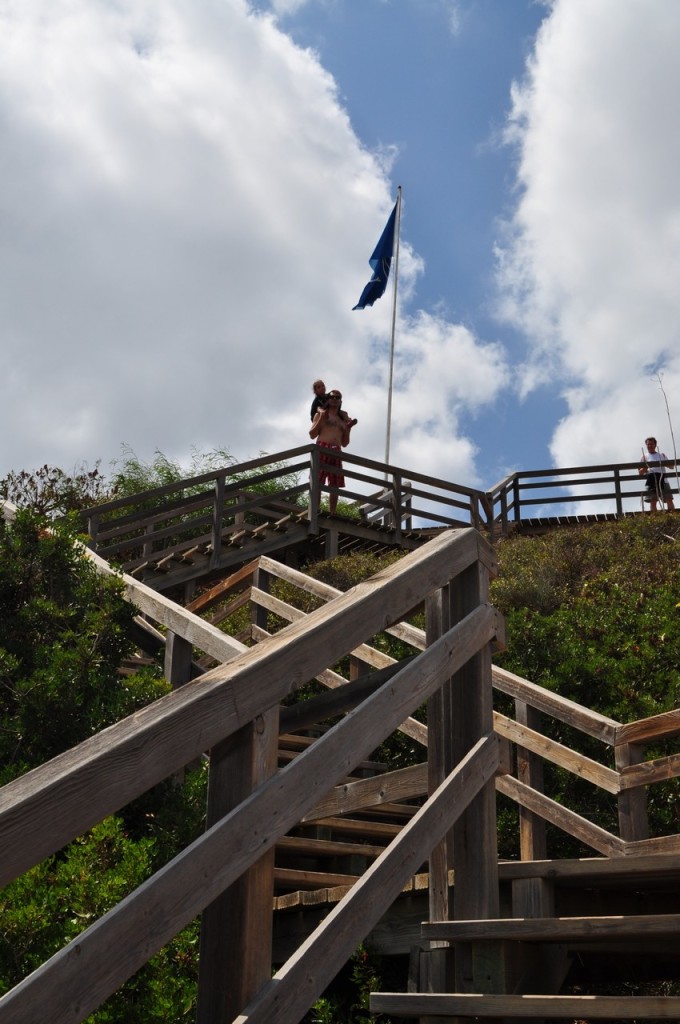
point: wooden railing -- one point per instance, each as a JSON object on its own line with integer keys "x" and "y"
{"x": 233, "y": 711}
{"x": 213, "y": 508}
{"x": 525, "y": 494}
{"x": 219, "y": 508}
{"x": 627, "y": 776}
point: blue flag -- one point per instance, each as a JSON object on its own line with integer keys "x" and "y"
{"x": 380, "y": 261}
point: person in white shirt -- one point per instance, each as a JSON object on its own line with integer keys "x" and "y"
{"x": 656, "y": 483}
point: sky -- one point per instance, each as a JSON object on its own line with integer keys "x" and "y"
{"x": 191, "y": 191}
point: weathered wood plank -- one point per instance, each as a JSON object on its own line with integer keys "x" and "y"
{"x": 662, "y": 844}
{"x": 425, "y": 1004}
{"x": 634, "y": 869}
{"x": 80, "y": 976}
{"x": 646, "y": 772}
{"x": 217, "y": 593}
{"x": 646, "y": 730}
{"x": 570, "y": 822}
{"x": 590, "y": 722}
{"x": 557, "y": 753}
{"x": 554, "y": 929}
{"x": 327, "y": 847}
{"x": 171, "y": 615}
{"x": 354, "y": 826}
{"x": 403, "y": 784}
{"x": 297, "y": 878}
{"x": 343, "y": 697}
{"x": 305, "y": 975}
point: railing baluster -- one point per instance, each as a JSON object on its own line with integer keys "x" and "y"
{"x": 218, "y": 516}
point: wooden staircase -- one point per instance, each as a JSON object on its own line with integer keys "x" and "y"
{"x": 571, "y": 927}
{"x": 502, "y": 940}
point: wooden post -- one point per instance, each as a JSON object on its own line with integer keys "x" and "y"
{"x": 314, "y": 490}
{"x": 617, "y": 491}
{"x": 93, "y": 529}
{"x": 396, "y": 504}
{"x": 331, "y": 545}
{"x": 177, "y": 666}
{"x": 239, "y": 514}
{"x": 475, "y": 518}
{"x": 437, "y": 960}
{"x": 408, "y": 504}
{"x": 218, "y": 516}
{"x": 259, "y": 616}
{"x": 517, "y": 510}
{"x": 504, "y": 512}
{"x": 532, "y": 832}
{"x": 475, "y": 848}
{"x": 147, "y": 549}
{"x": 633, "y": 818}
{"x": 236, "y": 929}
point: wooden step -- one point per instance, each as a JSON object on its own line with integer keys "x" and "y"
{"x": 554, "y": 929}
{"x": 295, "y": 878}
{"x": 426, "y": 1004}
{"x": 351, "y": 826}
{"x": 326, "y": 847}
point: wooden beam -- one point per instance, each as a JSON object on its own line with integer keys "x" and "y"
{"x": 557, "y": 753}
{"x": 526, "y": 1007}
{"x": 647, "y": 730}
{"x": 210, "y": 597}
{"x": 555, "y": 929}
{"x": 570, "y": 822}
{"x": 403, "y": 784}
{"x": 318, "y": 709}
{"x": 568, "y": 711}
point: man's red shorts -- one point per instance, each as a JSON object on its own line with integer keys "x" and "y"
{"x": 330, "y": 467}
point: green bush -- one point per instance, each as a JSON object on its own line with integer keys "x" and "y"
{"x": 592, "y": 614}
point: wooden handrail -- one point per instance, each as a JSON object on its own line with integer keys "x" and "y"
{"x": 137, "y": 927}
{"x": 38, "y": 815}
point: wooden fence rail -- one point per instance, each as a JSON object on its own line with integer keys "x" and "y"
{"x": 626, "y": 777}
{"x": 616, "y": 486}
{"x": 211, "y": 510}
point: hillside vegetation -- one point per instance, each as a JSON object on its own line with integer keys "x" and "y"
{"x": 593, "y": 613}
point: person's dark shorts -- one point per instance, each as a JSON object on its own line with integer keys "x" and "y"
{"x": 657, "y": 483}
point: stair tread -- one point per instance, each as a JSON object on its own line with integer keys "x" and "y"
{"x": 429, "y": 1004}
{"x": 554, "y": 929}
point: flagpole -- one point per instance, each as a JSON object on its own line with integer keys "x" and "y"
{"x": 394, "y": 322}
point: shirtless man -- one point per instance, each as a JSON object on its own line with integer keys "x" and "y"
{"x": 331, "y": 430}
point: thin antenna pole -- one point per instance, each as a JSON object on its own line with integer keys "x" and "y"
{"x": 394, "y": 323}
{"x": 659, "y": 377}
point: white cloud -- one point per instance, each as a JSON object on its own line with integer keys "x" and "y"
{"x": 591, "y": 267}
{"x": 186, "y": 219}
